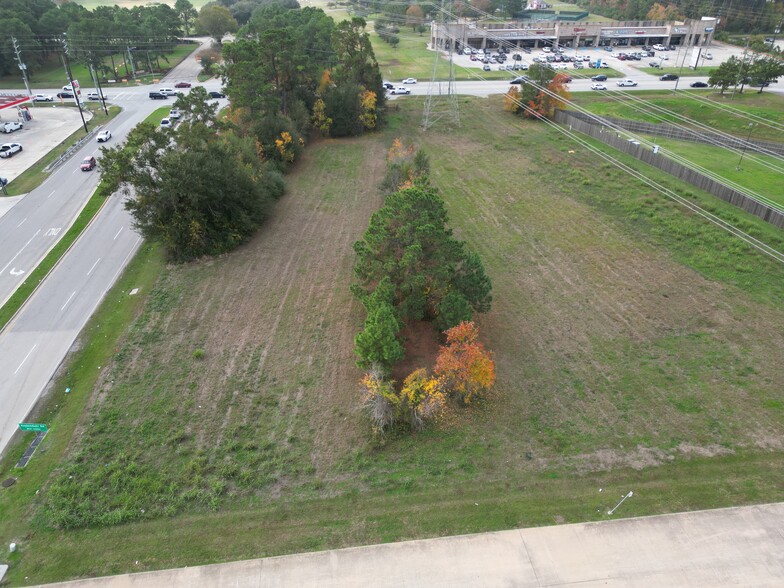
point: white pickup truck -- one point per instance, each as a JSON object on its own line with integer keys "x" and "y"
{"x": 11, "y": 126}
{"x": 626, "y": 83}
{"x": 400, "y": 90}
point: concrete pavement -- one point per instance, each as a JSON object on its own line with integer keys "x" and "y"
{"x": 728, "y": 547}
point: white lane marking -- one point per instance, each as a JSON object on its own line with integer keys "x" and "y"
{"x": 122, "y": 265}
{"x": 76, "y": 170}
{"x": 20, "y": 224}
{"x": 26, "y": 356}
{"x": 118, "y": 234}
{"x": 92, "y": 268}
{"x": 18, "y": 252}
{"x": 50, "y": 195}
{"x": 67, "y": 301}
{"x": 53, "y": 232}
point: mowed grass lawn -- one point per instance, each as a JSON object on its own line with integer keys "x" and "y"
{"x": 637, "y": 348}
{"x": 727, "y": 113}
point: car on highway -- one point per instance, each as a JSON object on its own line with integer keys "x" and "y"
{"x": 400, "y": 90}
{"x": 624, "y": 83}
{"x": 62, "y": 95}
{"x": 9, "y": 149}
{"x": 104, "y": 136}
{"x": 698, "y": 85}
{"x": 707, "y": 56}
{"x": 43, "y": 98}
{"x": 388, "y": 85}
{"x": 215, "y": 94}
{"x": 167, "y": 91}
{"x": 520, "y": 80}
{"x": 598, "y": 87}
{"x": 68, "y": 88}
{"x": 410, "y": 81}
{"x": 11, "y": 126}
{"x": 599, "y": 78}
{"x": 157, "y": 96}
{"x": 668, "y": 78}
{"x": 88, "y": 163}
{"x": 182, "y": 85}
{"x": 96, "y": 96}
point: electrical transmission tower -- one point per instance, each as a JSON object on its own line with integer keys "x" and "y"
{"x": 441, "y": 101}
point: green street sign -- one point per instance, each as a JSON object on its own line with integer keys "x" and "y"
{"x": 32, "y": 427}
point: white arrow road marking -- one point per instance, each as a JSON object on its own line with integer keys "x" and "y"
{"x": 26, "y": 356}
{"x": 18, "y": 252}
{"x": 92, "y": 268}
{"x": 16, "y": 272}
{"x": 67, "y": 301}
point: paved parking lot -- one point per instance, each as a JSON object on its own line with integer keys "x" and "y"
{"x": 50, "y": 126}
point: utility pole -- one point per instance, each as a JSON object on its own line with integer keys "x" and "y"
{"x": 71, "y": 81}
{"x": 130, "y": 58}
{"x": 440, "y": 104}
{"x": 22, "y": 66}
{"x": 97, "y": 83}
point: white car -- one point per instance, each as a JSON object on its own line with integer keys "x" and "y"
{"x": 8, "y": 149}
{"x": 400, "y": 90}
{"x": 409, "y": 81}
{"x": 167, "y": 123}
{"x": 96, "y": 96}
{"x": 167, "y": 92}
{"x": 175, "y": 114}
{"x": 598, "y": 87}
{"x": 43, "y": 98}
{"x": 11, "y": 126}
{"x": 627, "y": 83}
{"x": 104, "y": 136}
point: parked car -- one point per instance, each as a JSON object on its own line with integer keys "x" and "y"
{"x": 96, "y": 96}
{"x": 698, "y": 85}
{"x": 62, "y": 95}
{"x": 215, "y": 94}
{"x": 157, "y": 96}
{"x": 11, "y": 126}
{"x": 598, "y": 87}
{"x": 624, "y": 83}
{"x": 166, "y": 123}
{"x": 599, "y": 78}
{"x": 43, "y": 98}
{"x": 486, "y": 67}
{"x": 9, "y": 149}
{"x": 88, "y": 163}
{"x": 175, "y": 114}
{"x": 104, "y": 136}
{"x": 401, "y": 90}
{"x": 668, "y": 77}
{"x": 410, "y": 81}
{"x": 655, "y": 64}
{"x": 182, "y": 85}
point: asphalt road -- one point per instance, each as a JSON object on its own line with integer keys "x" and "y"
{"x": 34, "y": 344}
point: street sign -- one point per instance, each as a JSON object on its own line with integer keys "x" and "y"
{"x": 32, "y": 427}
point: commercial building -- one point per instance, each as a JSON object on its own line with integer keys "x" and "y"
{"x": 491, "y": 34}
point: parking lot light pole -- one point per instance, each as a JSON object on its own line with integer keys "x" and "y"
{"x": 745, "y": 146}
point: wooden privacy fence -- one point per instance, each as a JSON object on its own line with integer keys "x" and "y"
{"x": 645, "y": 154}
{"x": 684, "y": 134}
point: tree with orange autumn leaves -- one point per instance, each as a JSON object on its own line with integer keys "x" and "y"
{"x": 464, "y": 367}
{"x": 539, "y": 97}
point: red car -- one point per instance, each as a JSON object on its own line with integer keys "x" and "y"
{"x": 88, "y": 163}
{"x": 182, "y": 85}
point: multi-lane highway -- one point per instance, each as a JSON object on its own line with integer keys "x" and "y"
{"x": 34, "y": 344}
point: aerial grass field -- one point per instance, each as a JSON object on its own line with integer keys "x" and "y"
{"x": 637, "y": 348}
{"x": 709, "y": 108}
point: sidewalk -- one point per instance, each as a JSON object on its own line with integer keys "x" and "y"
{"x": 729, "y": 547}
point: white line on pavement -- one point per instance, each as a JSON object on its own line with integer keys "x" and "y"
{"x": 18, "y": 252}
{"x": 92, "y": 268}
{"x": 50, "y": 195}
{"x": 26, "y": 356}
{"x": 20, "y": 224}
{"x": 118, "y": 234}
{"x": 67, "y": 301}
{"x": 122, "y": 265}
